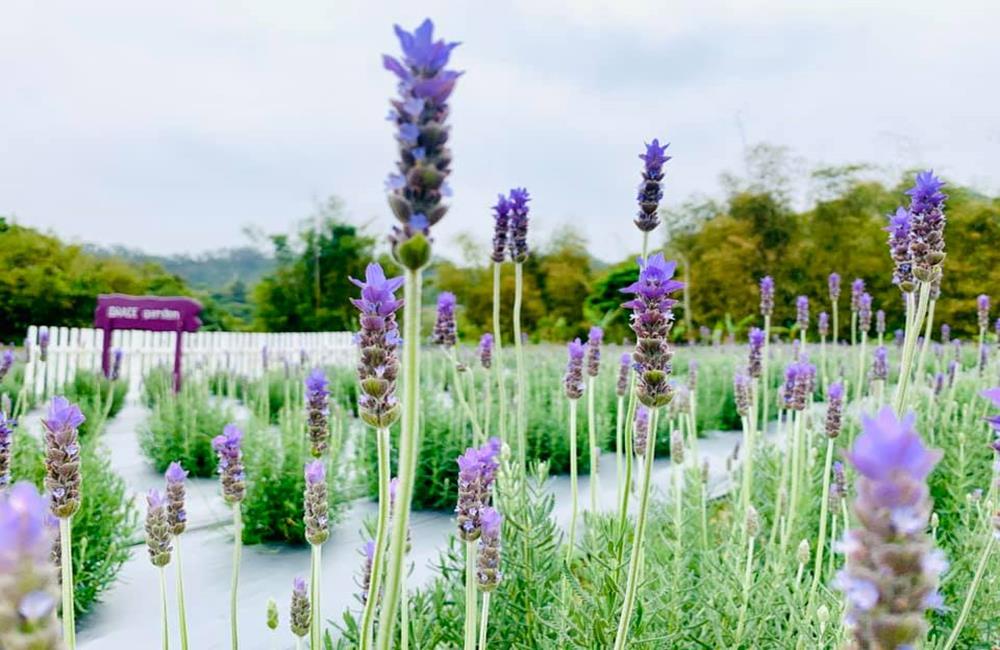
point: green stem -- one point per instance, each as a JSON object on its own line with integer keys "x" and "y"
{"x": 970, "y": 596}
{"x": 928, "y": 330}
{"x": 66, "y": 562}
{"x": 470, "y": 595}
{"x": 858, "y": 389}
{"x": 498, "y": 353}
{"x": 619, "y": 456}
{"x": 765, "y": 375}
{"x": 836, "y": 325}
{"x": 409, "y": 450}
{"x": 485, "y": 621}
{"x": 404, "y": 620}
{"x": 909, "y": 342}
{"x": 632, "y": 584}
{"x": 163, "y": 601}
{"x": 823, "y": 516}
{"x": 747, "y": 579}
{"x": 381, "y": 533}
{"x": 592, "y": 440}
{"x": 477, "y": 432}
{"x": 237, "y": 548}
{"x": 796, "y": 470}
{"x": 181, "y": 610}
{"x": 520, "y": 420}
{"x": 572, "y": 478}
{"x": 315, "y": 626}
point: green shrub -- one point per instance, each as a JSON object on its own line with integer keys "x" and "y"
{"x": 181, "y": 428}
{"x": 98, "y": 397}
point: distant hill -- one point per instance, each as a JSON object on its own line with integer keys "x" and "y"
{"x": 211, "y": 271}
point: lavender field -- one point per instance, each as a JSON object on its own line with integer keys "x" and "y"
{"x": 822, "y": 471}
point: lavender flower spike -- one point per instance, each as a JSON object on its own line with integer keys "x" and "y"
{"x": 640, "y": 430}
{"x": 880, "y": 322}
{"x": 6, "y": 362}
{"x": 857, "y": 288}
{"x": 445, "y": 330}
{"x": 865, "y": 313}
{"x": 573, "y": 380}
{"x": 28, "y": 579}
{"x": 300, "y": 614}
{"x": 834, "y": 284}
{"x": 887, "y": 598}
{"x": 834, "y": 409}
{"x": 651, "y": 188}
{"x": 624, "y": 367}
{"x": 486, "y": 350}
{"x": 899, "y": 229}
{"x": 983, "y": 311}
{"x": 318, "y": 412}
{"x": 927, "y": 226}
{"x": 6, "y": 448}
{"x": 43, "y": 344}
{"x": 501, "y": 229}
{"x": 157, "y": 529}
{"x": 378, "y": 340}
{"x": 755, "y": 364}
{"x": 488, "y": 572}
{"x": 477, "y": 469}
{"x": 368, "y": 550}
{"x": 420, "y": 113}
{"x": 176, "y": 514}
{"x": 823, "y": 324}
{"x": 228, "y": 447}
{"x": 945, "y": 333}
{"x": 766, "y": 295}
{"x": 802, "y": 313}
{"x": 317, "y": 507}
{"x": 62, "y": 456}
{"x": 519, "y": 224}
{"x": 741, "y": 391}
{"x": 880, "y": 364}
{"x": 594, "y": 351}
{"x": 651, "y": 320}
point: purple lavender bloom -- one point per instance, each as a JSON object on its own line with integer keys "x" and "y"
{"x": 651, "y": 320}
{"x": 501, "y": 229}
{"x": 945, "y": 333}
{"x": 488, "y": 572}
{"x": 651, "y": 187}
{"x": 62, "y": 456}
{"x": 741, "y": 392}
{"x": 802, "y": 313}
{"x": 318, "y": 411}
{"x": 834, "y": 284}
{"x": 573, "y": 380}
{"x": 300, "y": 612}
{"x": 766, "y": 295}
{"x": 838, "y": 489}
{"x": 834, "y": 409}
{"x": 420, "y": 114}
{"x": 176, "y": 514}
{"x": 640, "y": 430}
{"x": 43, "y": 344}
{"x": 378, "y": 340}
{"x": 229, "y": 448}
{"x": 477, "y": 469}
{"x": 880, "y": 322}
{"x": 594, "y": 338}
{"x": 157, "y": 529}
{"x": 6, "y": 448}
{"x": 898, "y": 337}
{"x": 519, "y": 224}
{"x": 927, "y": 226}
{"x": 445, "y": 331}
{"x": 824, "y": 324}
{"x": 317, "y": 507}
{"x": 755, "y": 363}
{"x": 116, "y": 363}
{"x": 899, "y": 229}
{"x": 800, "y": 377}
{"x": 880, "y": 364}
{"x": 865, "y": 313}
{"x": 952, "y": 372}
{"x": 28, "y": 580}
{"x": 368, "y": 551}
{"x": 623, "y": 370}
{"x": 982, "y": 311}
{"x": 887, "y": 598}
{"x": 6, "y": 362}
{"x": 857, "y": 288}
{"x": 486, "y": 350}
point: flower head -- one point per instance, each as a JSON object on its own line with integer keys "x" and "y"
{"x": 624, "y": 368}
{"x": 317, "y": 507}
{"x": 650, "y": 191}
{"x": 228, "y": 447}
{"x": 477, "y": 469}
{"x": 983, "y": 311}
{"x": 927, "y": 227}
{"x": 755, "y": 364}
{"x": 300, "y": 614}
{"x": 594, "y": 339}
{"x": 445, "y": 330}
{"x": 857, "y": 288}
{"x": 486, "y": 350}
{"x": 834, "y": 409}
{"x": 318, "y": 411}
{"x": 802, "y": 313}
{"x": 157, "y": 529}
{"x": 378, "y": 340}
{"x": 488, "y": 572}
{"x": 176, "y": 514}
{"x": 833, "y": 282}
{"x": 62, "y": 456}
{"x": 766, "y": 295}
{"x": 573, "y": 380}
{"x": 519, "y": 224}
{"x": 501, "y": 229}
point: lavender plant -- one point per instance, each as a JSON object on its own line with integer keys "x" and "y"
{"x": 229, "y": 447}
{"x": 593, "y": 367}
{"x": 176, "y": 477}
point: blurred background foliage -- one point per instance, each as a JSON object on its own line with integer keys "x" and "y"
{"x": 299, "y": 281}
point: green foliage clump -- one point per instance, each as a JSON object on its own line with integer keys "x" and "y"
{"x": 98, "y": 397}
{"x": 181, "y": 427}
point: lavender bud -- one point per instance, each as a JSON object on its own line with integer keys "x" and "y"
{"x": 880, "y": 322}
{"x": 802, "y": 313}
{"x": 741, "y": 392}
{"x": 900, "y": 231}
{"x": 488, "y": 572}
{"x": 316, "y": 505}
{"x": 228, "y": 447}
{"x": 519, "y": 224}
{"x": 982, "y": 311}
{"x": 420, "y": 114}
{"x": 378, "y": 340}
{"x": 651, "y": 320}
{"x": 651, "y": 188}
{"x": 834, "y": 409}
{"x": 927, "y": 226}
{"x": 640, "y": 430}
{"x": 300, "y": 612}
{"x": 157, "y": 530}
{"x": 824, "y": 324}
{"x": 28, "y": 580}
{"x": 272, "y": 614}
{"x": 857, "y": 288}
{"x": 486, "y": 351}
{"x": 945, "y": 333}
{"x": 6, "y": 447}
{"x": 834, "y": 283}
{"x": 623, "y": 371}
{"x": 318, "y": 412}
{"x": 176, "y": 514}
{"x": 594, "y": 351}
{"x": 501, "y": 229}
{"x": 887, "y": 598}
{"x": 766, "y": 295}
{"x": 477, "y": 469}
{"x": 573, "y": 380}
{"x": 368, "y": 551}
{"x": 755, "y": 364}
{"x": 865, "y": 313}
{"x": 445, "y": 331}
{"x": 880, "y": 364}
{"x": 62, "y": 456}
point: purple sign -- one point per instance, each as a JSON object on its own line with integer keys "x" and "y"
{"x": 117, "y": 311}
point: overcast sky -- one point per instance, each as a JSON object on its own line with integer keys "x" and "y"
{"x": 170, "y": 126}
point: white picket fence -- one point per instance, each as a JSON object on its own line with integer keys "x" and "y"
{"x": 204, "y": 353}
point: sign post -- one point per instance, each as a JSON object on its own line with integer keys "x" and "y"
{"x": 151, "y": 313}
